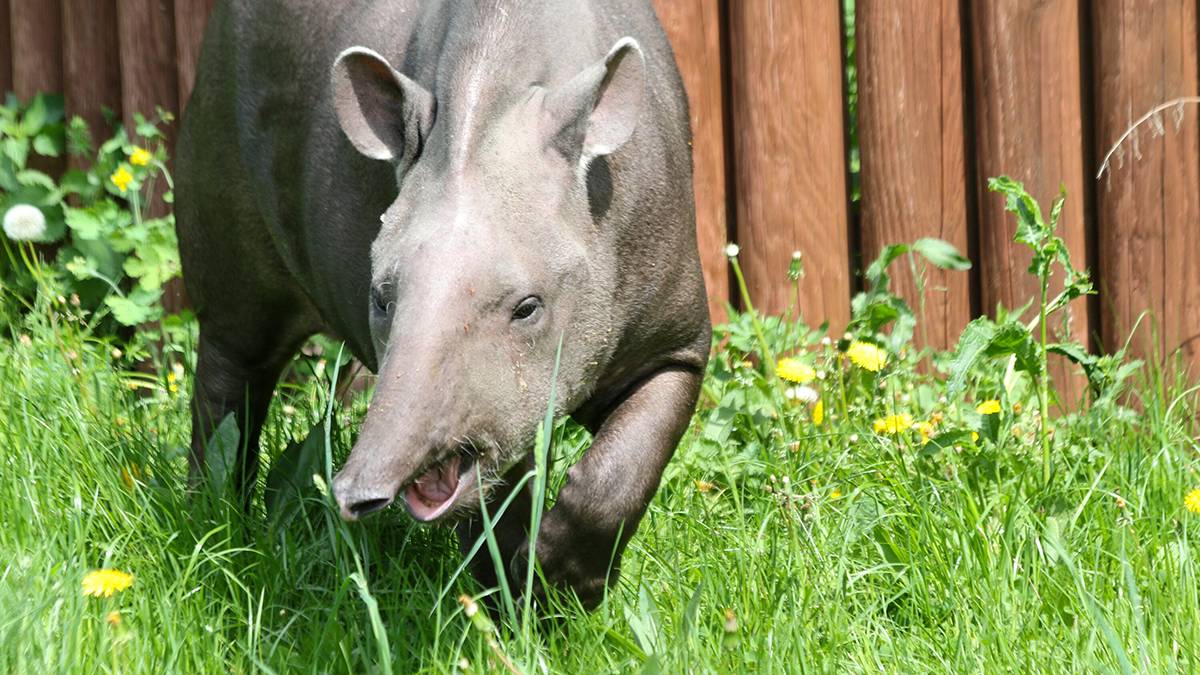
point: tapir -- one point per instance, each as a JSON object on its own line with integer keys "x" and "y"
{"x": 454, "y": 189}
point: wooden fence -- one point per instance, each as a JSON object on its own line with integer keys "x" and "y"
{"x": 949, "y": 92}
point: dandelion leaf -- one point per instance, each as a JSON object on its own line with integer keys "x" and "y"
{"x": 290, "y": 479}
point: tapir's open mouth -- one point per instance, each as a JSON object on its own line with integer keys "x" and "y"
{"x": 435, "y": 492}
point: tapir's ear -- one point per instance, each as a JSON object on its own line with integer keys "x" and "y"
{"x": 383, "y": 113}
{"x": 596, "y": 111}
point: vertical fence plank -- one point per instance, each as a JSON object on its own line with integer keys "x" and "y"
{"x": 190, "y": 19}
{"x": 91, "y": 65}
{"x": 789, "y": 152}
{"x": 147, "y": 42}
{"x": 694, "y": 28}
{"x": 1028, "y": 117}
{"x": 1148, "y": 202}
{"x": 149, "y": 78}
{"x": 5, "y": 49}
{"x": 910, "y": 132}
{"x": 36, "y": 42}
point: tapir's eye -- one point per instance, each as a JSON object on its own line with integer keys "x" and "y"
{"x": 527, "y": 309}
{"x": 378, "y": 302}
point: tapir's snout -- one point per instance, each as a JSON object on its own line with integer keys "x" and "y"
{"x": 359, "y": 495}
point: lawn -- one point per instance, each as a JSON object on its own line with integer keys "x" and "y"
{"x": 903, "y": 521}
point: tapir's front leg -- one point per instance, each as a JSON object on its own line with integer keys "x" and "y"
{"x": 608, "y": 490}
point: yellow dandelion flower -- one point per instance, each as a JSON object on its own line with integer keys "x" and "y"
{"x": 113, "y": 618}
{"x": 974, "y": 435}
{"x": 818, "y": 413}
{"x": 171, "y": 378}
{"x": 139, "y": 156}
{"x": 121, "y": 178}
{"x": 991, "y": 407}
{"x": 894, "y": 424}
{"x": 1017, "y": 408}
{"x": 704, "y": 486}
{"x": 794, "y": 370}
{"x": 867, "y": 356}
{"x": 836, "y": 494}
{"x": 925, "y": 429}
{"x": 1192, "y": 501}
{"x": 173, "y": 388}
{"x": 105, "y": 582}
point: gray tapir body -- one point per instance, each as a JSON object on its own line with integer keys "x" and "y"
{"x": 450, "y": 187}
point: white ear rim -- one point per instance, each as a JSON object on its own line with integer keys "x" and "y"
{"x": 624, "y": 48}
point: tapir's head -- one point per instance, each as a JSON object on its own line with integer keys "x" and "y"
{"x": 495, "y": 247}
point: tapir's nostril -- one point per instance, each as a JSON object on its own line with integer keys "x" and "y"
{"x": 360, "y": 509}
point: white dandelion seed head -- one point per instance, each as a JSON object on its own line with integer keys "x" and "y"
{"x": 24, "y": 222}
{"x": 803, "y": 394}
{"x": 826, "y": 341}
{"x": 732, "y": 250}
{"x": 853, "y": 438}
{"x": 797, "y": 255}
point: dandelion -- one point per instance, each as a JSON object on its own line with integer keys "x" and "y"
{"x": 105, "y": 582}
{"x": 794, "y": 370}
{"x": 732, "y": 250}
{"x": 1017, "y": 408}
{"x": 1192, "y": 501}
{"x": 925, "y": 429}
{"x": 24, "y": 222}
{"x": 991, "y": 407}
{"x": 121, "y": 178}
{"x": 894, "y": 424}
{"x": 867, "y": 356}
{"x": 836, "y": 494}
{"x": 139, "y": 157}
{"x": 818, "y": 413}
{"x": 171, "y": 378}
{"x": 853, "y": 438}
{"x": 704, "y": 486}
{"x": 802, "y": 394}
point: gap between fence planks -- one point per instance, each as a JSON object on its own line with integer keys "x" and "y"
{"x": 694, "y": 28}
{"x": 1029, "y": 125}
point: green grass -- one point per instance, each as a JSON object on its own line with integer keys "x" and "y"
{"x": 953, "y": 559}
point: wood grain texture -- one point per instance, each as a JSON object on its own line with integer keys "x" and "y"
{"x": 694, "y": 27}
{"x": 147, "y": 50}
{"x": 150, "y": 79}
{"x": 1029, "y": 125}
{"x": 1144, "y": 53}
{"x": 190, "y": 19}
{"x": 5, "y": 48}
{"x": 789, "y": 152}
{"x": 36, "y": 44}
{"x": 911, "y": 145}
{"x": 91, "y": 61}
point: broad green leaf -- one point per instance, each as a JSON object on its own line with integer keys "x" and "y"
{"x": 876, "y": 275}
{"x": 1072, "y": 351}
{"x": 50, "y": 143}
{"x": 290, "y": 479}
{"x": 17, "y": 149}
{"x": 35, "y": 116}
{"x": 941, "y": 254}
{"x": 84, "y": 223}
{"x": 972, "y": 348}
{"x": 220, "y": 454}
{"x": 138, "y": 307}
